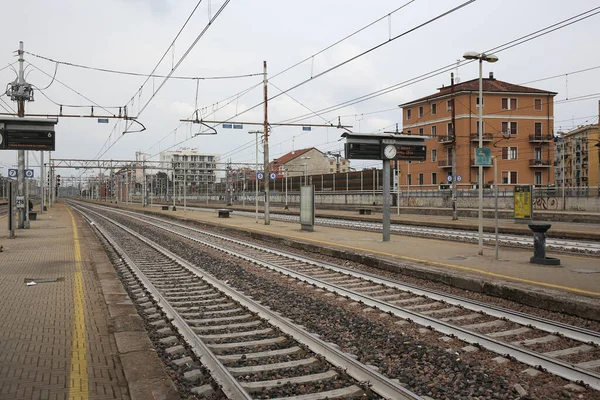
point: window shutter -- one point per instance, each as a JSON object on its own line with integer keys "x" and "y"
{"x": 505, "y": 153}
{"x": 504, "y": 103}
{"x": 513, "y": 104}
{"x": 513, "y": 128}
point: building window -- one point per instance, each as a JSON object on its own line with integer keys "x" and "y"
{"x": 537, "y": 153}
{"x": 509, "y": 153}
{"x": 434, "y": 178}
{"x": 408, "y": 132}
{"x": 434, "y": 131}
{"x": 509, "y": 128}
{"x": 421, "y": 179}
{"x": 477, "y": 102}
{"x": 421, "y": 111}
{"x": 449, "y": 128}
{"x": 509, "y": 177}
{"x": 408, "y": 113}
{"x": 433, "y": 109}
{"x": 434, "y": 155}
{"x": 537, "y": 104}
{"x": 409, "y": 179}
{"x": 509, "y": 104}
{"x": 449, "y": 105}
{"x": 538, "y": 129}
{"x": 537, "y": 178}
{"x": 421, "y": 131}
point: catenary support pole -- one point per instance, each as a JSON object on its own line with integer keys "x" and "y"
{"x": 386, "y": 200}
{"x": 266, "y": 148}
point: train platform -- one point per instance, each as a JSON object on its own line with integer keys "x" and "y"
{"x": 68, "y": 329}
{"x": 573, "y": 286}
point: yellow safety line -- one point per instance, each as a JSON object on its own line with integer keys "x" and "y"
{"x": 437, "y": 263}
{"x": 78, "y": 377}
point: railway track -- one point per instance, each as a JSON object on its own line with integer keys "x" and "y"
{"x": 567, "y": 351}
{"x": 509, "y": 240}
{"x": 247, "y": 348}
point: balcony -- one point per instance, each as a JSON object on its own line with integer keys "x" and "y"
{"x": 476, "y": 166}
{"x": 447, "y": 139}
{"x": 539, "y": 163}
{"x": 539, "y": 138}
{"x": 487, "y": 137}
{"x": 445, "y": 164}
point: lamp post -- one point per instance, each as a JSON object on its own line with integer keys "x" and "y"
{"x": 471, "y": 55}
{"x": 305, "y": 170}
{"x": 285, "y": 171}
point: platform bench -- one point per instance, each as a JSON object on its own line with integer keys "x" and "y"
{"x": 364, "y": 211}
{"x": 223, "y": 213}
{"x": 165, "y": 208}
{"x": 32, "y": 215}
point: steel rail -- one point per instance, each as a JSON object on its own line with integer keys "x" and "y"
{"x": 543, "y": 324}
{"x": 230, "y": 386}
{"x": 377, "y": 382}
{"x": 564, "y": 245}
{"x": 528, "y": 357}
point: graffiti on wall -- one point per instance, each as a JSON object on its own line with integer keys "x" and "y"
{"x": 545, "y": 203}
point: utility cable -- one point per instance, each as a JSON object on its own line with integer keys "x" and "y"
{"x": 129, "y": 73}
{"x": 449, "y": 67}
{"x": 183, "y": 57}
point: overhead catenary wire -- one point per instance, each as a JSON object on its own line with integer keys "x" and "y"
{"x": 182, "y": 58}
{"x": 447, "y": 68}
{"x": 152, "y": 75}
{"x": 245, "y": 91}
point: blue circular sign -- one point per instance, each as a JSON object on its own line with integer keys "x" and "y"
{"x": 449, "y": 178}
{"x": 260, "y": 175}
{"x": 458, "y": 178}
{"x": 272, "y": 176}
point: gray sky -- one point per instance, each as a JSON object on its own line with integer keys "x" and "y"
{"x": 132, "y": 35}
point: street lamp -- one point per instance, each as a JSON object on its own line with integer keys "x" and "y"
{"x": 305, "y": 169}
{"x": 285, "y": 171}
{"x": 471, "y": 55}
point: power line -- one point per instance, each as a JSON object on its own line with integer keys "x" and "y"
{"x": 245, "y": 91}
{"x": 105, "y": 108}
{"x": 561, "y": 75}
{"x": 183, "y": 57}
{"x": 152, "y": 75}
{"x": 449, "y": 67}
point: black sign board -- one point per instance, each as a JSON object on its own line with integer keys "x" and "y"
{"x": 27, "y": 134}
{"x": 411, "y": 152}
{"x": 362, "y": 151}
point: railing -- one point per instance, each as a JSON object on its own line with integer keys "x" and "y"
{"x": 446, "y": 139}
{"x": 444, "y": 163}
{"x": 541, "y": 138}
{"x": 539, "y": 163}
{"x": 487, "y": 137}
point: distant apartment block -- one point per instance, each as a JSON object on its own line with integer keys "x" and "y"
{"x": 576, "y": 157}
{"x": 199, "y": 169}
{"x": 517, "y": 127}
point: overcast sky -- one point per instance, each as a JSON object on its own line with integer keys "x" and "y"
{"x": 132, "y": 35}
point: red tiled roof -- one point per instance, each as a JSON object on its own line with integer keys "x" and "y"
{"x": 489, "y": 85}
{"x": 286, "y": 158}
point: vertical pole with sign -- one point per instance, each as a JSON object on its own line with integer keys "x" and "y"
{"x": 386, "y": 201}
{"x": 11, "y": 210}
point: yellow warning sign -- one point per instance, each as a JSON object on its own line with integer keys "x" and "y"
{"x": 523, "y": 202}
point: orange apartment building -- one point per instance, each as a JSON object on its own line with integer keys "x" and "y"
{"x": 517, "y": 126}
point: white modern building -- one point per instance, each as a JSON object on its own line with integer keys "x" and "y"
{"x": 199, "y": 169}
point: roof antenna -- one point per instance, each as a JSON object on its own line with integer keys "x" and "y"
{"x": 457, "y": 79}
